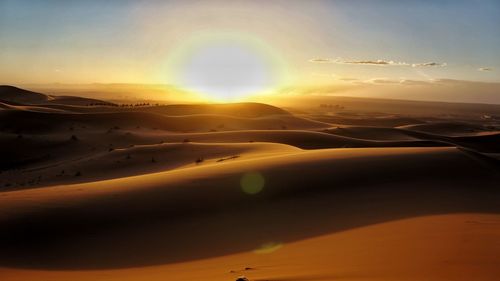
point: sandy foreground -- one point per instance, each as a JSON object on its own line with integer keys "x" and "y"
{"x": 445, "y": 247}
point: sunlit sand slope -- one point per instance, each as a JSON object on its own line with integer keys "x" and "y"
{"x": 459, "y": 247}
{"x": 236, "y": 206}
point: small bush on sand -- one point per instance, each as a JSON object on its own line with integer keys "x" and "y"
{"x": 199, "y": 160}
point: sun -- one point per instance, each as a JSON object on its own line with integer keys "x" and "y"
{"x": 226, "y": 68}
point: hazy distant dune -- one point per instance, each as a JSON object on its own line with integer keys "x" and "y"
{"x": 448, "y": 128}
{"x": 17, "y": 95}
{"x": 25, "y": 97}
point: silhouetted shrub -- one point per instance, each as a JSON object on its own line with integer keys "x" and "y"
{"x": 199, "y": 160}
{"x": 77, "y": 174}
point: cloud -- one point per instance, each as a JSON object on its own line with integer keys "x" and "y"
{"x": 485, "y": 69}
{"x": 321, "y": 60}
{"x": 424, "y": 64}
{"x": 348, "y": 79}
{"x": 382, "y": 81}
{"x": 414, "y": 82}
{"x": 379, "y": 62}
{"x": 405, "y": 82}
{"x": 375, "y": 62}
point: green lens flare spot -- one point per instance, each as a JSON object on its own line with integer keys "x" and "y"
{"x": 252, "y": 183}
{"x": 268, "y": 248}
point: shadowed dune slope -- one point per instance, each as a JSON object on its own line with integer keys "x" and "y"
{"x": 247, "y": 109}
{"x": 372, "y": 133}
{"x": 447, "y": 128}
{"x": 391, "y": 251}
{"x": 17, "y": 95}
{"x": 136, "y": 160}
{"x": 25, "y": 97}
{"x": 157, "y": 218}
{"x": 230, "y": 109}
{"x": 36, "y": 122}
{"x": 300, "y": 138}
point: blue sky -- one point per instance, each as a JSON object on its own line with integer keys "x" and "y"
{"x": 133, "y": 41}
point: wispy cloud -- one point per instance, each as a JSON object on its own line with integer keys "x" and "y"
{"x": 424, "y": 64}
{"x": 408, "y": 82}
{"x": 348, "y": 79}
{"x": 374, "y": 62}
{"x": 321, "y": 60}
{"x": 405, "y": 82}
{"x": 485, "y": 69}
{"x": 378, "y": 62}
{"x": 382, "y": 81}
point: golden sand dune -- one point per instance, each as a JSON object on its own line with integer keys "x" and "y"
{"x": 12, "y": 94}
{"x": 253, "y": 201}
{"x": 141, "y": 159}
{"x": 212, "y": 192}
{"x": 37, "y": 122}
{"x": 457, "y": 247}
{"x": 448, "y": 128}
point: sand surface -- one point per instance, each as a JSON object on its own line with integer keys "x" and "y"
{"x": 215, "y": 191}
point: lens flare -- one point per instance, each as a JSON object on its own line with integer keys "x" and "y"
{"x": 268, "y": 248}
{"x": 225, "y": 67}
{"x": 252, "y": 183}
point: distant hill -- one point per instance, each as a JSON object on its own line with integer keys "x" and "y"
{"x": 21, "y": 96}
{"x": 17, "y": 96}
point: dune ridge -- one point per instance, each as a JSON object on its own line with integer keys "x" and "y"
{"x": 215, "y": 191}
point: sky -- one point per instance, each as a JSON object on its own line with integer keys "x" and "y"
{"x": 236, "y": 47}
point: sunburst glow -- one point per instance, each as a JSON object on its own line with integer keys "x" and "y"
{"x": 225, "y": 68}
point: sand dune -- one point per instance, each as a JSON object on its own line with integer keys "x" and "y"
{"x": 136, "y": 160}
{"x": 210, "y": 196}
{"x": 377, "y": 252}
{"x": 448, "y": 128}
{"x": 372, "y": 133}
{"x": 214, "y": 191}
{"x": 366, "y": 120}
{"x": 17, "y": 95}
{"x": 36, "y": 122}
{"x": 41, "y": 158}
